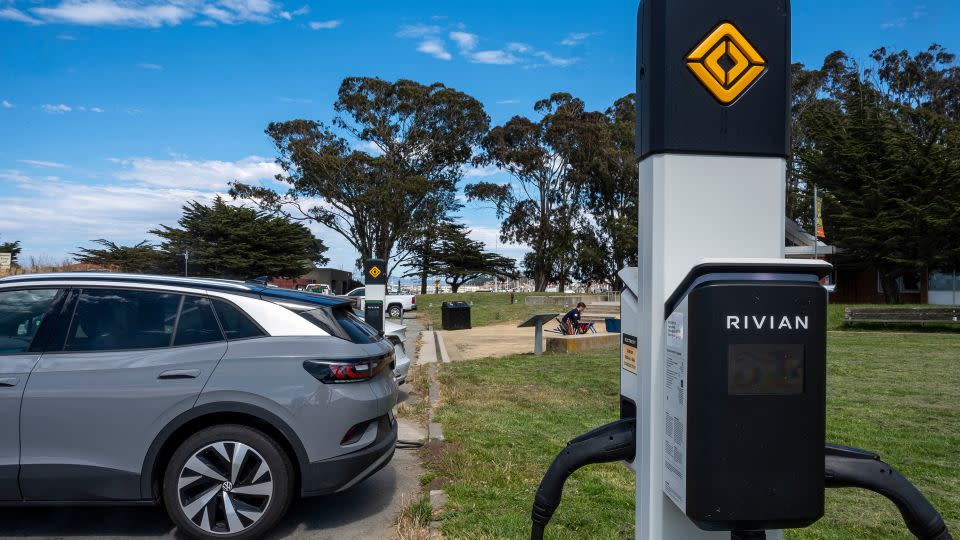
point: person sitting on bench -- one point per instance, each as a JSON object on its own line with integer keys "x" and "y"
{"x": 571, "y": 321}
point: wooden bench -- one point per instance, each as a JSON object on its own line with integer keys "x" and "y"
{"x": 581, "y": 342}
{"x": 901, "y": 315}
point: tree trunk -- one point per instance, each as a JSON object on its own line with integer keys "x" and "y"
{"x": 891, "y": 292}
{"x": 540, "y": 280}
{"x": 426, "y": 265}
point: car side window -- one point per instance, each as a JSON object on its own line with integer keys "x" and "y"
{"x": 358, "y": 292}
{"x": 117, "y": 319}
{"x": 197, "y": 323}
{"x": 235, "y": 323}
{"x": 21, "y": 313}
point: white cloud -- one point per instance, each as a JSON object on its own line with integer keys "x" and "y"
{"x": 44, "y": 220}
{"x": 14, "y": 176}
{"x": 480, "y": 172}
{"x": 147, "y": 65}
{"x": 518, "y": 47}
{"x": 108, "y": 12}
{"x": 13, "y": 14}
{"x": 369, "y": 147}
{"x": 556, "y": 61}
{"x": 289, "y": 15}
{"x": 295, "y": 100}
{"x": 508, "y": 101}
{"x": 191, "y": 174}
{"x": 418, "y": 30}
{"x": 150, "y": 13}
{"x": 325, "y": 25}
{"x": 576, "y": 38}
{"x": 66, "y": 37}
{"x": 467, "y": 43}
{"x": 56, "y": 109}
{"x": 42, "y": 164}
{"x": 493, "y": 57}
{"x": 6, "y": 104}
{"x": 465, "y": 40}
{"x": 490, "y": 237}
{"x": 96, "y": 109}
{"x": 435, "y": 48}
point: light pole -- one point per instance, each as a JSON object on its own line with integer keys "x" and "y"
{"x": 186, "y": 264}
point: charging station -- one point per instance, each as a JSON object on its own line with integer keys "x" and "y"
{"x": 723, "y": 350}
{"x": 375, "y": 292}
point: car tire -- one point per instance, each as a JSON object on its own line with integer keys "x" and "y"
{"x": 227, "y": 481}
{"x": 395, "y": 311}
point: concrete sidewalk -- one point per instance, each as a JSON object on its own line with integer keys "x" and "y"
{"x": 492, "y": 341}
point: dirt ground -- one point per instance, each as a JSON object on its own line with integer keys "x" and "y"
{"x": 495, "y": 340}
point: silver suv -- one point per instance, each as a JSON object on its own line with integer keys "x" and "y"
{"x": 221, "y": 400}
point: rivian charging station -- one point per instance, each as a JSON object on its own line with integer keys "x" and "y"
{"x": 375, "y": 292}
{"x": 723, "y": 353}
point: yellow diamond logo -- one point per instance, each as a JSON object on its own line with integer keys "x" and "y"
{"x": 726, "y": 63}
{"x": 375, "y": 272}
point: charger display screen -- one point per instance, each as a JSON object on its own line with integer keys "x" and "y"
{"x": 765, "y": 369}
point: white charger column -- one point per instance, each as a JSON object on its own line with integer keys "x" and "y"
{"x": 713, "y": 81}
{"x": 375, "y": 292}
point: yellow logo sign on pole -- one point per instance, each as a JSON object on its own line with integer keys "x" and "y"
{"x": 375, "y": 272}
{"x": 742, "y": 64}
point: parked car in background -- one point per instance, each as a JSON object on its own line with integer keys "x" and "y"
{"x": 319, "y": 288}
{"x": 397, "y": 335}
{"x": 221, "y": 400}
{"x": 394, "y": 304}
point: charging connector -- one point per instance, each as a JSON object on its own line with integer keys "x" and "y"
{"x": 852, "y": 467}
{"x": 615, "y": 441}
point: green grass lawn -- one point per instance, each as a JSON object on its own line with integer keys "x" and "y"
{"x": 488, "y": 307}
{"x": 505, "y": 419}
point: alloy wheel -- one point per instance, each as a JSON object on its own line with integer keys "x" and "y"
{"x": 225, "y": 487}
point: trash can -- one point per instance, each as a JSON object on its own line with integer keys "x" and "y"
{"x": 455, "y": 316}
{"x": 612, "y": 325}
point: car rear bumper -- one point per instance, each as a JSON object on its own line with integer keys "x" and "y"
{"x": 343, "y": 472}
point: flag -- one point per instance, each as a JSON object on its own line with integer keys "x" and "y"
{"x": 819, "y": 224}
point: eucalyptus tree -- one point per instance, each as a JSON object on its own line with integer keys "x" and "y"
{"x": 386, "y": 164}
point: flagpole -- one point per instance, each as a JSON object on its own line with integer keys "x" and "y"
{"x": 815, "y": 223}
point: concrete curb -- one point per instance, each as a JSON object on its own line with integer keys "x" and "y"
{"x": 442, "y": 349}
{"x": 428, "y": 348}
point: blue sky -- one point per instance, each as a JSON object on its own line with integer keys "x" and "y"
{"x": 115, "y": 112}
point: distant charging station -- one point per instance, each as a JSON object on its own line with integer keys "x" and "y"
{"x": 723, "y": 351}
{"x": 375, "y": 292}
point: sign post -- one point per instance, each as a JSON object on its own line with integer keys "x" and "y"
{"x": 713, "y": 87}
{"x": 375, "y": 289}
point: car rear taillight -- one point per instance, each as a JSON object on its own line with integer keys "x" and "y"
{"x": 413, "y": 300}
{"x": 346, "y": 371}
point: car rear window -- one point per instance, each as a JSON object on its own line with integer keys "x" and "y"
{"x": 339, "y": 321}
{"x": 235, "y": 323}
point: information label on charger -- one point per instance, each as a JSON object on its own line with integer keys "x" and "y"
{"x": 628, "y": 360}
{"x": 675, "y": 409}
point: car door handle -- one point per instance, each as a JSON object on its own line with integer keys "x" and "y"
{"x": 180, "y": 374}
{"x": 9, "y": 381}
